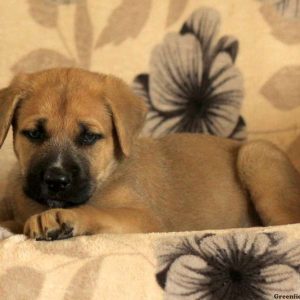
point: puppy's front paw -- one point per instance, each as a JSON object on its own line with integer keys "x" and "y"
{"x": 53, "y": 224}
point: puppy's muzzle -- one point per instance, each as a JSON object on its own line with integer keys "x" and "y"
{"x": 59, "y": 181}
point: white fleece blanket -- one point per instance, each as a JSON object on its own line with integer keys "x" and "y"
{"x": 4, "y": 233}
{"x": 256, "y": 263}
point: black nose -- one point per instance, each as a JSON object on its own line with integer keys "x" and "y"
{"x": 57, "y": 179}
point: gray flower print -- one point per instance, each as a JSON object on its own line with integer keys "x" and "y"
{"x": 193, "y": 84}
{"x": 237, "y": 266}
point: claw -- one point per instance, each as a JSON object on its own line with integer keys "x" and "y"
{"x": 53, "y": 235}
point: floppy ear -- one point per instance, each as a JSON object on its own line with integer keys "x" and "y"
{"x": 9, "y": 99}
{"x": 128, "y": 111}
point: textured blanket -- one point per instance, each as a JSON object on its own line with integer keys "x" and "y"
{"x": 258, "y": 263}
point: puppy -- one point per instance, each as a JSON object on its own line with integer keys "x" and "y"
{"x": 82, "y": 169}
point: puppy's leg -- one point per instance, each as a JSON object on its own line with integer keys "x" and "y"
{"x": 64, "y": 223}
{"x": 12, "y": 226}
{"x": 272, "y": 181}
{"x": 6, "y": 218}
{"x": 5, "y": 210}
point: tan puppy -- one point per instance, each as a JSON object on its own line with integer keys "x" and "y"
{"x": 83, "y": 170}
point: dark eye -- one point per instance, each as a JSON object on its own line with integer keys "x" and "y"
{"x": 89, "y": 138}
{"x": 34, "y": 135}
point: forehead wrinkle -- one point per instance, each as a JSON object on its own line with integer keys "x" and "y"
{"x": 48, "y": 98}
{"x": 64, "y": 94}
{"x": 53, "y": 103}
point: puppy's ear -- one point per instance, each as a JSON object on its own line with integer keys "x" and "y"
{"x": 128, "y": 111}
{"x": 9, "y": 99}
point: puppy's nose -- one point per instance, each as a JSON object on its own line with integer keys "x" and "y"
{"x": 57, "y": 179}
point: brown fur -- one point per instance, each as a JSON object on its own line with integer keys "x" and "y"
{"x": 176, "y": 183}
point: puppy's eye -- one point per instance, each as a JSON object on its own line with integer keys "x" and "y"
{"x": 89, "y": 138}
{"x": 34, "y": 135}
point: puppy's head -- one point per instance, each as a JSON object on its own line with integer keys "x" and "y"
{"x": 70, "y": 127}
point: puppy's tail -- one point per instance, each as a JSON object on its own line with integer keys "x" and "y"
{"x": 272, "y": 181}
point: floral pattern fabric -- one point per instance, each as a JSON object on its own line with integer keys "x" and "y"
{"x": 201, "y": 66}
{"x": 193, "y": 84}
{"x": 238, "y": 266}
